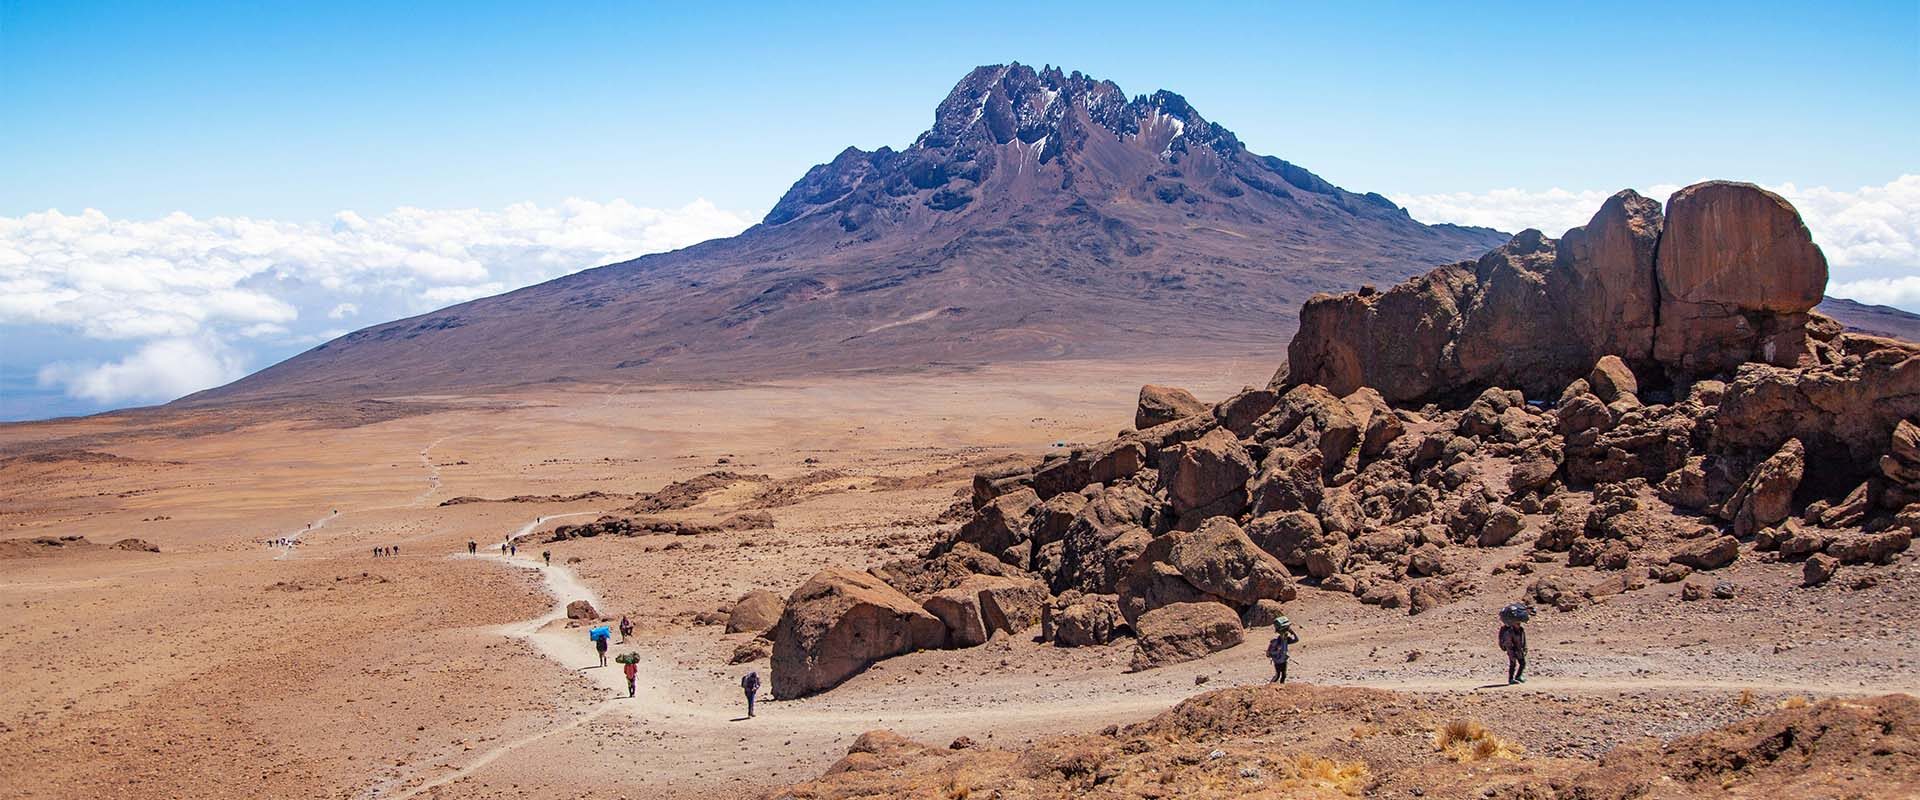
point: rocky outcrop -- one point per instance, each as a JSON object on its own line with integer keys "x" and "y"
{"x": 839, "y": 622}
{"x": 1727, "y": 276}
{"x": 1073, "y": 619}
{"x": 1217, "y": 562}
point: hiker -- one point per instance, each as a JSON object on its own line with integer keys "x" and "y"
{"x": 503, "y": 548}
{"x": 600, "y": 637}
{"x": 1283, "y": 638}
{"x": 513, "y": 549}
{"x": 633, "y": 671}
{"x": 626, "y": 628}
{"x": 376, "y": 552}
{"x": 751, "y": 684}
{"x": 472, "y": 547}
{"x": 394, "y": 550}
{"x": 547, "y": 556}
{"x": 1513, "y": 639}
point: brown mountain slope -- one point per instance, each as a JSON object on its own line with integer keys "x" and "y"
{"x": 1043, "y": 215}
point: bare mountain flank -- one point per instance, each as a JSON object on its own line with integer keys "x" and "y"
{"x": 1044, "y": 214}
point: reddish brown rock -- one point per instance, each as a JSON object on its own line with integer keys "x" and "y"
{"x": 1183, "y": 632}
{"x": 1707, "y": 552}
{"x": 1737, "y": 271}
{"x": 1206, "y": 472}
{"x": 1163, "y": 404}
{"x": 837, "y": 624}
{"x": 1073, "y": 619}
{"x": 756, "y": 612}
{"x": 1766, "y": 498}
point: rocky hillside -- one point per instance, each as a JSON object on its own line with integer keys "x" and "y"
{"x": 1302, "y": 741}
{"x": 1649, "y": 398}
{"x": 1044, "y": 214}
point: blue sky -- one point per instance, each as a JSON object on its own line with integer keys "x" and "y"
{"x": 672, "y": 122}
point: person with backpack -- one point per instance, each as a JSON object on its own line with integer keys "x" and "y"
{"x": 751, "y": 685}
{"x": 1513, "y": 639}
{"x": 601, "y": 638}
{"x": 547, "y": 556}
{"x": 472, "y": 547}
{"x": 633, "y": 672}
{"x": 1283, "y": 639}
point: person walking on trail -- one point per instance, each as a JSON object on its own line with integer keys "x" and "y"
{"x": 633, "y": 672}
{"x": 1283, "y": 639}
{"x": 601, "y": 638}
{"x": 626, "y": 629}
{"x": 751, "y": 685}
{"x": 547, "y": 556}
{"x": 472, "y": 547}
{"x": 1513, "y": 639}
{"x": 503, "y": 548}
{"x": 513, "y": 549}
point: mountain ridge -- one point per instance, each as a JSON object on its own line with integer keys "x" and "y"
{"x": 1042, "y": 215}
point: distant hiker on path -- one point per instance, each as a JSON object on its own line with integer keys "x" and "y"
{"x": 547, "y": 556}
{"x": 503, "y": 548}
{"x": 626, "y": 628}
{"x": 751, "y": 684}
{"x": 513, "y": 549}
{"x": 1513, "y": 639}
{"x": 472, "y": 547}
{"x": 1283, "y": 638}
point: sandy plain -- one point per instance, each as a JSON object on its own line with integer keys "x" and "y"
{"x": 223, "y": 666}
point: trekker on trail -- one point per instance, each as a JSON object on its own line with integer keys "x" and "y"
{"x": 472, "y": 547}
{"x": 601, "y": 638}
{"x": 751, "y": 684}
{"x": 1283, "y": 638}
{"x": 394, "y": 550}
{"x": 547, "y": 556}
{"x": 626, "y": 628}
{"x": 633, "y": 671}
{"x": 1513, "y": 639}
{"x": 513, "y": 549}
{"x": 503, "y": 548}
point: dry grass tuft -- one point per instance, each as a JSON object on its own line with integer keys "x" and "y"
{"x": 1746, "y": 697}
{"x": 1467, "y": 740}
{"x": 1350, "y": 778}
{"x": 1794, "y": 702}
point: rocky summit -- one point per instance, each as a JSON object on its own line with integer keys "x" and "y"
{"x": 1648, "y": 397}
{"x": 1044, "y": 214}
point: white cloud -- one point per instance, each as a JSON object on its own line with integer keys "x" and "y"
{"x": 225, "y": 287}
{"x": 1871, "y": 235}
{"x": 159, "y": 370}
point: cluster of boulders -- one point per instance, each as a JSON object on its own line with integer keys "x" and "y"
{"x": 1648, "y": 397}
{"x": 615, "y": 525}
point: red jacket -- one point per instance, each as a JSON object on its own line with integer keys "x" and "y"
{"x": 632, "y": 670}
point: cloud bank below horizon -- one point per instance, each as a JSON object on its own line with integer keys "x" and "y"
{"x": 120, "y": 312}
{"x": 189, "y": 303}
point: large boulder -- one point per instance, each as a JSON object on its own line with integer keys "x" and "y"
{"x": 1012, "y": 605}
{"x": 1001, "y": 525}
{"x": 1607, "y": 275}
{"x": 1738, "y": 271}
{"x": 959, "y": 609}
{"x": 838, "y": 623}
{"x": 1209, "y": 473}
{"x": 756, "y": 612}
{"x": 1163, "y": 404}
{"x": 1073, "y": 619}
{"x": 1766, "y": 498}
{"x": 1183, "y": 632}
{"x": 1217, "y": 561}
{"x": 582, "y": 610}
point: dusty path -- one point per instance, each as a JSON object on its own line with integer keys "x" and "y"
{"x": 295, "y": 537}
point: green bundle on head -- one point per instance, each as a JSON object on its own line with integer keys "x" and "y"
{"x": 628, "y": 658}
{"x": 1282, "y": 623}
